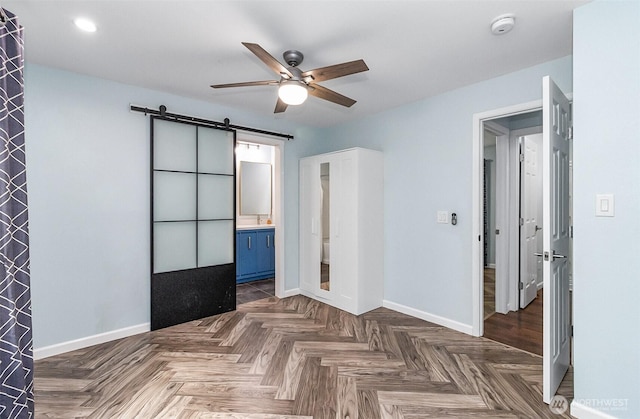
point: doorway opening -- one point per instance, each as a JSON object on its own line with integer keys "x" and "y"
{"x": 512, "y": 225}
{"x": 512, "y": 214}
{"x": 268, "y": 225}
{"x": 556, "y": 223}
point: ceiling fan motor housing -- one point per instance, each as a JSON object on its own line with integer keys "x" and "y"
{"x": 293, "y": 57}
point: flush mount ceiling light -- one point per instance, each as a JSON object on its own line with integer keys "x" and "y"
{"x": 293, "y": 92}
{"x": 503, "y": 24}
{"x": 85, "y": 24}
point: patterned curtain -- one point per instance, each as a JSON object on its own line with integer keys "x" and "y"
{"x": 16, "y": 347}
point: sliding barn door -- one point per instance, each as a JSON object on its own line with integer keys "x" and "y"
{"x": 193, "y": 271}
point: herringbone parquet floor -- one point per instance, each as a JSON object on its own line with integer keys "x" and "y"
{"x": 294, "y": 358}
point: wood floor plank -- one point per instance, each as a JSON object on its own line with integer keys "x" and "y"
{"x": 449, "y": 401}
{"x": 390, "y": 411}
{"x": 151, "y": 399}
{"x": 264, "y": 358}
{"x": 295, "y": 358}
{"x": 275, "y": 371}
{"x": 174, "y": 407}
{"x": 347, "y": 398}
{"x": 249, "y": 416}
{"x": 368, "y": 405}
{"x": 481, "y": 382}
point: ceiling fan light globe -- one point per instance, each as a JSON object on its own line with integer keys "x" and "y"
{"x": 292, "y": 92}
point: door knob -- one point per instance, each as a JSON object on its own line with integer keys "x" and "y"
{"x": 538, "y": 254}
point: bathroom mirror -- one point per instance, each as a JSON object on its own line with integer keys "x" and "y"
{"x": 255, "y": 188}
{"x": 325, "y": 277}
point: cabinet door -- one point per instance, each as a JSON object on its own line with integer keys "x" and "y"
{"x": 309, "y": 227}
{"x": 265, "y": 251}
{"x": 272, "y": 251}
{"x": 246, "y": 245}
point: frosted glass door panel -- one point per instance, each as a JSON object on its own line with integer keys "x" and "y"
{"x": 174, "y": 196}
{"x": 215, "y": 151}
{"x": 174, "y": 246}
{"x": 215, "y": 242}
{"x": 215, "y": 197}
{"x": 174, "y": 146}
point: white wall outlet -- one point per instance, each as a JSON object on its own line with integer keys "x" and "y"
{"x": 443, "y": 217}
{"x": 605, "y": 205}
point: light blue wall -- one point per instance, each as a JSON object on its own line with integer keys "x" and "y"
{"x": 427, "y": 149}
{"x": 88, "y": 180}
{"x": 606, "y": 250}
{"x": 87, "y": 162}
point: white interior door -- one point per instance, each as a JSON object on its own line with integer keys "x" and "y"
{"x": 530, "y": 194}
{"x": 556, "y": 239}
{"x": 502, "y": 273}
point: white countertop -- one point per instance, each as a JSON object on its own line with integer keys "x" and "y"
{"x": 254, "y": 226}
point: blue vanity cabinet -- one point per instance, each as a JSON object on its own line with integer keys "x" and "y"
{"x": 266, "y": 252}
{"x": 255, "y": 254}
{"x": 246, "y": 254}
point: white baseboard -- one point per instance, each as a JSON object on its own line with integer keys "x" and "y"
{"x": 581, "y": 411}
{"x": 85, "y": 342}
{"x": 442, "y": 321}
{"x": 586, "y": 412}
{"x": 290, "y": 293}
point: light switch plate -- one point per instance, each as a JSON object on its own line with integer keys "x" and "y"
{"x": 605, "y": 205}
{"x": 443, "y": 217}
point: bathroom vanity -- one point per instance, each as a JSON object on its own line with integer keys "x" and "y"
{"x": 341, "y": 231}
{"x": 255, "y": 253}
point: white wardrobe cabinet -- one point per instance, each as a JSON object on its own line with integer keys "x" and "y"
{"x": 341, "y": 229}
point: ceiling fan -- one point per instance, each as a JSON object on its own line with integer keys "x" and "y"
{"x": 295, "y": 84}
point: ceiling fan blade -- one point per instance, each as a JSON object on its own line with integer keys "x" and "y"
{"x": 247, "y": 83}
{"x": 328, "y": 94}
{"x": 280, "y": 106}
{"x": 266, "y": 58}
{"x": 337, "y": 70}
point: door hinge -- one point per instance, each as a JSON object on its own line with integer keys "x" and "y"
{"x": 521, "y": 285}
{"x": 571, "y": 231}
{"x": 570, "y": 133}
{"x": 521, "y": 157}
{"x": 571, "y": 330}
{"x": 522, "y": 221}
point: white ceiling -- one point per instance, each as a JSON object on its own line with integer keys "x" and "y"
{"x": 414, "y": 49}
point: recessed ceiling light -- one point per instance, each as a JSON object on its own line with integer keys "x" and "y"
{"x": 85, "y": 24}
{"x": 503, "y": 24}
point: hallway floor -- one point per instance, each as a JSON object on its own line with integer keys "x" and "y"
{"x": 521, "y": 329}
